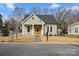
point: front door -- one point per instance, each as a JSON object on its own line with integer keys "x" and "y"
{"x": 37, "y": 29}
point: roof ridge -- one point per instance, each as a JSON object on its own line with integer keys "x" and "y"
{"x": 48, "y": 19}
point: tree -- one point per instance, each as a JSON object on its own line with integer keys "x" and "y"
{"x": 5, "y": 29}
{"x": 36, "y": 10}
{"x": 1, "y": 22}
{"x": 19, "y": 12}
{"x": 41, "y": 11}
{"x": 16, "y": 17}
{"x": 12, "y": 24}
{"x": 63, "y": 26}
{"x": 63, "y": 17}
{"x": 47, "y": 11}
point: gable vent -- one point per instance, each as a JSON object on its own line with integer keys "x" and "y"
{"x": 32, "y": 17}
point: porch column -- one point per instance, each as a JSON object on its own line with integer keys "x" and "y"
{"x": 32, "y": 29}
{"x": 42, "y": 31}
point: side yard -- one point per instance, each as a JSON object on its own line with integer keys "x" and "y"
{"x": 72, "y": 36}
{"x": 60, "y": 39}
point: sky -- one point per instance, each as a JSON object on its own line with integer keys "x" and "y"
{"x": 7, "y": 8}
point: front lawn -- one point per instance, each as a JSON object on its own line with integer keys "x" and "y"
{"x": 60, "y": 39}
{"x": 71, "y": 36}
{"x": 25, "y": 38}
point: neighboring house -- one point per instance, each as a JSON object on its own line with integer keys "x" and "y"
{"x": 39, "y": 24}
{"x": 73, "y": 29}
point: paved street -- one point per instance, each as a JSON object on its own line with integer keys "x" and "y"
{"x": 27, "y": 49}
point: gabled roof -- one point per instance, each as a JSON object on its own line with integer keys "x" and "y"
{"x": 48, "y": 19}
{"x": 74, "y": 24}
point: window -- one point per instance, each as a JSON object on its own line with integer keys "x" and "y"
{"x": 28, "y": 29}
{"x": 50, "y": 28}
{"x": 76, "y": 30}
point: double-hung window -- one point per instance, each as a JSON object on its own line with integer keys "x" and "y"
{"x": 50, "y": 28}
{"x": 76, "y": 30}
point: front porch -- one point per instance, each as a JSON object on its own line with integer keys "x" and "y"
{"x": 33, "y": 30}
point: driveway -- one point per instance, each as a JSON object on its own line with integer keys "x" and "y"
{"x": 29, "y": 49}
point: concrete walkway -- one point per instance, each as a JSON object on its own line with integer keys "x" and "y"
{"x": 37, "y": 38}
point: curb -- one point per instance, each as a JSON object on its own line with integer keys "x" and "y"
{"x": 37, "y": 43}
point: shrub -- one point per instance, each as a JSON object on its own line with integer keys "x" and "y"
{"x": 50, "y": 35}
{"x": 5, "y": 31}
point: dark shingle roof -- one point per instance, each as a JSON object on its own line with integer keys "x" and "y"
{"x": 48, "y": 19}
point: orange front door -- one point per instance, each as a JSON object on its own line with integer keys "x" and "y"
{"x": 37, "y": 29}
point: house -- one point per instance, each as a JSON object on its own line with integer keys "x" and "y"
{"x": 39, "y": 24}
{"x": 73, "y": 29}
